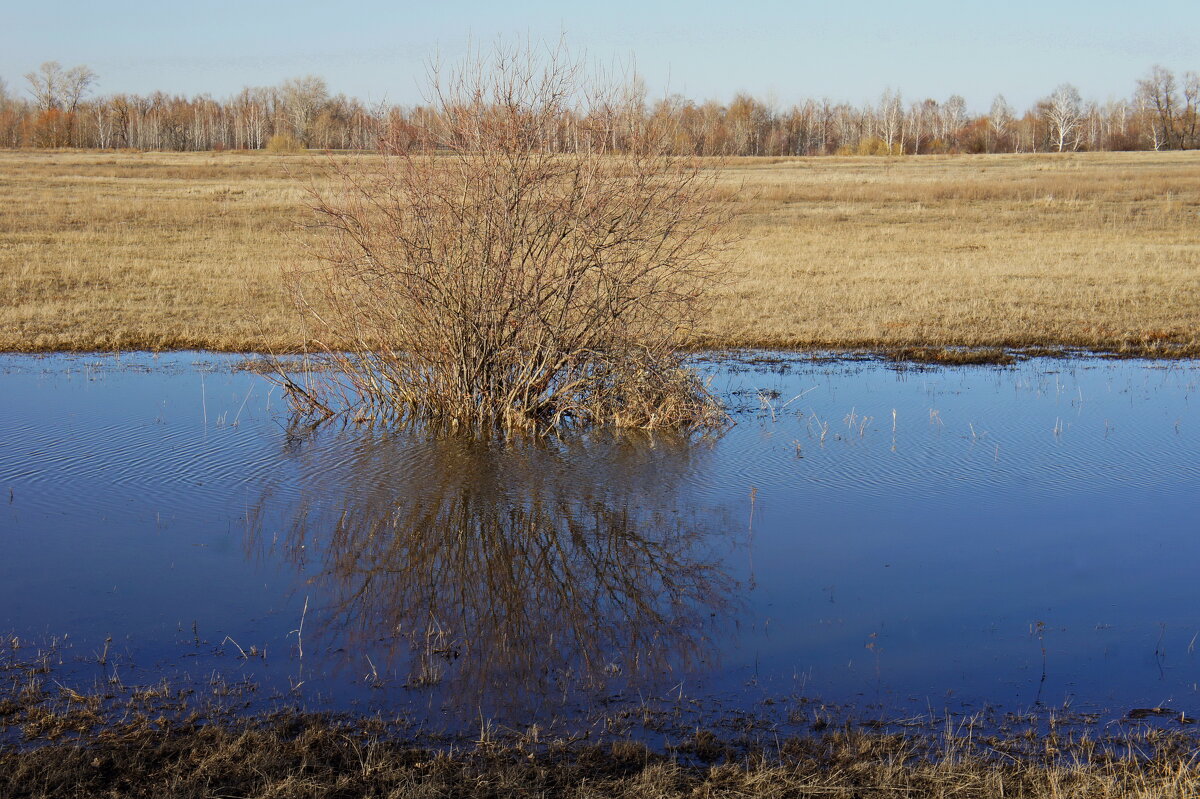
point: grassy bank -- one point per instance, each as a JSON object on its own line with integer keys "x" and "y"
{"x": 117, "y": 739}
{"x": 921, "y": 255}
{"x": 293, "y": 755}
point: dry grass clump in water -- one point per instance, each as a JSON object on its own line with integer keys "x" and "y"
{"x": 943, "y": 356}
{"x": 483, "y": 278}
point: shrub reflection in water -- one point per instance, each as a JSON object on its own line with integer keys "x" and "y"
{"x": 533, "y": 567}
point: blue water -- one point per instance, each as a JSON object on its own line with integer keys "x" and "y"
{"x": 905, "y": 540}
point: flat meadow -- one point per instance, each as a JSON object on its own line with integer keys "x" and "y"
{"x": 115, "y": 250}
{"x": 875, "y": 586}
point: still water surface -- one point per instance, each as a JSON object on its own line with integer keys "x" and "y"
{"x": 895, "y": 539}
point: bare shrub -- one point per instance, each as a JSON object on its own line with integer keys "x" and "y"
{"x": 534, "y": 258}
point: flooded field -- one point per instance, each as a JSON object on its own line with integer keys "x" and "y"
{"x": 899, "y": 541}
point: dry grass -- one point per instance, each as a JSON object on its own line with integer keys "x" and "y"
{"x": 126, "y": 741}
{"x": 1099, "y": 251}
{"x": 306, "y": 756}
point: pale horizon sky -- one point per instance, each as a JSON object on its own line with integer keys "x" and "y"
{"x": 784, "y": 52}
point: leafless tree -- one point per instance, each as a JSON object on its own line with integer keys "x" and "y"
{"x": 102, "y": 114}
{"x": 54, "y": 88}
{"x": 891, "y": 120}
{"x": 921, "y": 123}
{"x": 1149, "y": 121}
{"x": 481, "y": 278}
{"x": 1188, "y": 119}
{"x": 1000, "y": 118}
{"x": 45, "y": 85}
{"x": 1116, "y": 115}
{"x": 1159, "y": 91}
{"x": 76, "y": 83}
{"x": 302, "y": 100}
{"x": 1064, "y": 112}
{"x": 953, "y": 117}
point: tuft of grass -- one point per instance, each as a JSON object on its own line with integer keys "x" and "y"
{"x": 945, "y": 356}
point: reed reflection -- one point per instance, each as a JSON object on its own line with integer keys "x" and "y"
{"x": 541, "y": 565}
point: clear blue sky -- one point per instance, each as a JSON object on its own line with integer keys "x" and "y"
{"x": 784, "y": 51}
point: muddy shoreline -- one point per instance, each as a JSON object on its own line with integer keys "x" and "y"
{"x": 118, "y": 739}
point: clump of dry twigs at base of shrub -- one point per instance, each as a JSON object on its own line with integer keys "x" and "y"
{"x": 533, "y": 257}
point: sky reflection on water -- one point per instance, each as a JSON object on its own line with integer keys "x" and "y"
{"x": 866, "y": 535}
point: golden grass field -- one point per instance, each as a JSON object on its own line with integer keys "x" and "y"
{"x": 102, "y": 251}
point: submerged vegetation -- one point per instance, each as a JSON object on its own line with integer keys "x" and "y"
{"x": 477, "y": 277}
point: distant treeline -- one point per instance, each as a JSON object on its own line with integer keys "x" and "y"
{"x": 56, "y": 111}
